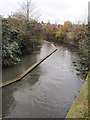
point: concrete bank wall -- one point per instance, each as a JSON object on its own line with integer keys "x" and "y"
{"x": 79, "y": 108}
{"x": 27, "y": 71}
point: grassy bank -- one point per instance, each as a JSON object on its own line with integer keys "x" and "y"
{"x": 79, "y": 108}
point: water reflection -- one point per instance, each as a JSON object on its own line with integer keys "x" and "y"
{"x": 8, "y": 93}
{"x": 8, "y": 100}
{"x": 26, "y": 61}
{"x": 30, "y": 80}
{"x": 48, "y": 91}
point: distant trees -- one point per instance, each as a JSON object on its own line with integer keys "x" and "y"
{"x": 71, "y": 34}
{"x": 49, "y": 31}
{"x": 60, "y": 34}
{"x": 68, "y": 33}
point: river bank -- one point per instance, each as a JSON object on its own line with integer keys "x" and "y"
{"x": 80, "y": 107}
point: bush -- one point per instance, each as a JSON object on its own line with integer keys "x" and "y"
{"x": 84, "y": 53}
{"x": 18, "y": 38}
{"x": 10, "y": 48}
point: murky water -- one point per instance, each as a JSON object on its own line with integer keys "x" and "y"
{"x": 46, "y": 92}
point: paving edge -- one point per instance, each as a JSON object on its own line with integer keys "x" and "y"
{"x": 26, "y": 71}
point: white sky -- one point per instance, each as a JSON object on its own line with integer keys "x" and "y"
{"x": 55, "y": 11}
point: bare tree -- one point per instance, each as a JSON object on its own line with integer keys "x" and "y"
{"x": 29, "y": 10}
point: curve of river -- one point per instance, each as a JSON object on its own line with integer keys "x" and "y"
{"x": 46, "y": 92}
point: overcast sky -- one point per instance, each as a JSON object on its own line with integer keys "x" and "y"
{"x": 55, "y": 11}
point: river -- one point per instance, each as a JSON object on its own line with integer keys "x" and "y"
{"x": 46, "y": 92}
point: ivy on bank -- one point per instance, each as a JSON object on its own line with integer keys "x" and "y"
{"x": 18, "y": 38}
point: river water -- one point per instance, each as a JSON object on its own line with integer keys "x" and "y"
{"x": 46, "y": 92}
